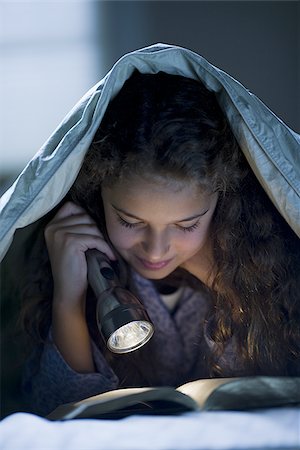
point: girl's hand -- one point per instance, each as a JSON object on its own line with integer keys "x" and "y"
{"x": 68, "y": 236}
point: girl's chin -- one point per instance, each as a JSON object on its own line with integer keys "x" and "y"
{"x": 152, "y": 276}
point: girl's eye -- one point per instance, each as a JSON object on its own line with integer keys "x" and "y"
{"x": 127, "y": 224}
{"x": 190, "y": 228}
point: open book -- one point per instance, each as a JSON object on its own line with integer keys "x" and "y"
{"x": 207, "y": 394}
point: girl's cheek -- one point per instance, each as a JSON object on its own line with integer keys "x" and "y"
{"x": 194, "y": 241}
{"x": 121, "y": 239}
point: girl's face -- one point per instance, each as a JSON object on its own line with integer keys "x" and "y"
{"x": 157, "y": 227}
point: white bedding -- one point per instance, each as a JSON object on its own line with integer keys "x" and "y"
{"x": 277, "y": 428}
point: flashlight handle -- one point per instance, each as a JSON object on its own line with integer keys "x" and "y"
{"x": 101, "y": 275}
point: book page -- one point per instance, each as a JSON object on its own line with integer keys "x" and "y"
{"x": 111, "y": 395}
{"x": 200, "y": 390}
{"x": 125, "y": 402}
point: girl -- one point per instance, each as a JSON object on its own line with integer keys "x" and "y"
{"x": 166, "y": 191}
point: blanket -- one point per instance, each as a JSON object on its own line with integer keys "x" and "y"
{"x": 271, "y": 147}
{"x": 278, "y": 429}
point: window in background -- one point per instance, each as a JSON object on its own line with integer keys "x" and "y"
{"x": 49, "y": 57}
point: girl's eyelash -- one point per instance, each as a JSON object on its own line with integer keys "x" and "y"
{"x": 191, "y": 228}
{"x": 126, "y": 224}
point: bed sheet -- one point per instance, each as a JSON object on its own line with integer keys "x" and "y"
{"x": 277, "y": 428}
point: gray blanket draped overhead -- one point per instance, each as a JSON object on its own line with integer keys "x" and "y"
{"x": 271, "y": 148}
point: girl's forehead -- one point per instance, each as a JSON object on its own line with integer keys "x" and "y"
{"x": 158, "y": 184}
{"x": 166, "y": 201}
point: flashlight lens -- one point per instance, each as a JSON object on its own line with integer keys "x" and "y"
{"x": 130, "y": 336}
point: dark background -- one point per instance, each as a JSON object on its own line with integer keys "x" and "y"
{"x": 54, "y": 51}
{"x": 257, "y": 42}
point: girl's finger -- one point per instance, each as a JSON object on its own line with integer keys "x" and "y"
{"x": 86, "y": 242}
{"x": 72, "y": 220}
{"x": 69, "y": 209}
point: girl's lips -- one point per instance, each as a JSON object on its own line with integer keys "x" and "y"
{"x": 154, "y": 266}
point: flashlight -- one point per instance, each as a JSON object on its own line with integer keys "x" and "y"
{"x": 121, "y": 318}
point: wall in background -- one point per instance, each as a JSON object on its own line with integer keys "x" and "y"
{"x": 49, "y": 58}
{"x": 257, "y": 42}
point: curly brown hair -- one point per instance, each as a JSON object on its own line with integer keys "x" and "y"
{"x": 172, "y": 126}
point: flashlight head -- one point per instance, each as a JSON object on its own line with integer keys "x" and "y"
{"x": 123, "y": 321}
{"x": 130, "y": 336}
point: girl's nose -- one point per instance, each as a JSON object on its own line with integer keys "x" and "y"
{"x": 156, "y": 246}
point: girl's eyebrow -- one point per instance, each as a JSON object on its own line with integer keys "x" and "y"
{"x": 188, "y": 219}
{"x": 193, "y": 217}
